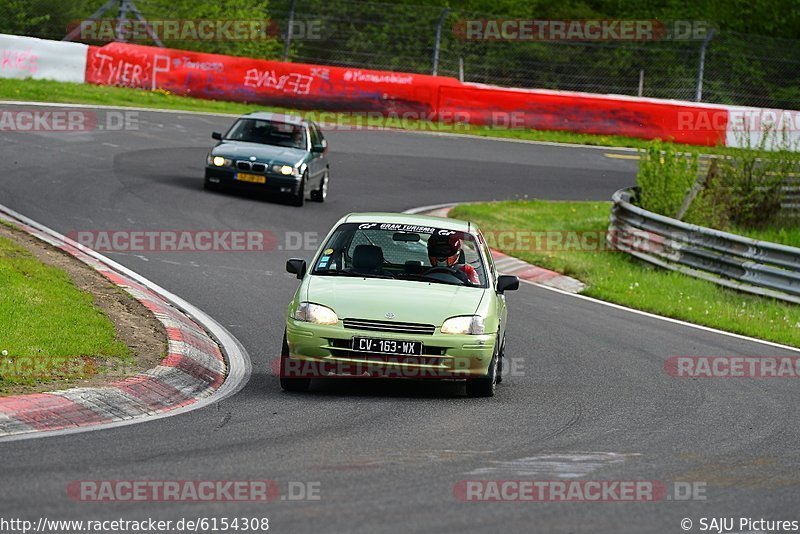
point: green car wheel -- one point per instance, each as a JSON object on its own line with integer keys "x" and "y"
{"x": 290, "y": 384}
{"x": 484, "y": 386}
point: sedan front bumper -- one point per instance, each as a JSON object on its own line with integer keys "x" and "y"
{"x": 274, "y": 183}
{"x": 318, "y": 351}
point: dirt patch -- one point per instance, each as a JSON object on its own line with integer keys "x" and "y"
{"x": 135, "y": 325}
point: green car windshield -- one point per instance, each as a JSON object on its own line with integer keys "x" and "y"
{"x": 268, "y": 133}
{"x": 399, "y": 251}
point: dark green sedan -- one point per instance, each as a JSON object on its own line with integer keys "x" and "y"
{"x": 271, "y": 153}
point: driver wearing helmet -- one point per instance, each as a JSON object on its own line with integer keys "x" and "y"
{"x": 445, "y": 251}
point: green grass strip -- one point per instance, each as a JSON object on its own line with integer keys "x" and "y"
{"x": 47, "y": 323}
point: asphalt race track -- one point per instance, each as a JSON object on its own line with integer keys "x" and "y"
{"x": 592, "y": 400}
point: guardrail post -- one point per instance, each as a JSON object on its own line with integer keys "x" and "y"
{"x": 698, "y": 94}
{"x": 289, "y": 29}
{"x": 437, "y": 43}
{"x": 641, "y": 82}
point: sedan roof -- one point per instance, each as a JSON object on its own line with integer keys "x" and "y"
{"x": 275, "y": 117}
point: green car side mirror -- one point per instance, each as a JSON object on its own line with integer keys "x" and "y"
{"x": 296, "y": 266}
{"x": 507, "y": 283}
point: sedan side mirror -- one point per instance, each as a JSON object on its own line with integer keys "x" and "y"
{"x": 318, "y": 149}
{"x": 296, "y": 266}
{"x": 507, "y": 283}
{"x": 216, "y": 135}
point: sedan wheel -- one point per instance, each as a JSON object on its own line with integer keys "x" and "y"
{"x": 321, "y": 193}
{"x": 300, "y": 197}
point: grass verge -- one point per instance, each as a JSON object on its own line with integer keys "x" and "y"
{"x": 785, "y": 232}
{"x": 615, "y": 277}
{"x": 49, "y": 329}
{"x": 75, "y": 93}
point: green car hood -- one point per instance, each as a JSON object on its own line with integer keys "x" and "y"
{"x": 264, "y": 153}
{"x": 409, "y": 301}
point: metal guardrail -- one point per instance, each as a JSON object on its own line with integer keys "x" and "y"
{"x": 759, "y": 267}
{"x": 791, "y": 195}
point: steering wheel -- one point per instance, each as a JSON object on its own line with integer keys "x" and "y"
{"x": 458, "y": 273}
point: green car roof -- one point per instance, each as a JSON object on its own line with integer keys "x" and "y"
{"x": 407, "y": 218}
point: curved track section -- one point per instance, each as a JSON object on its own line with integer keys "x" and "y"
{"x": 590, "y": 398}
{"x": 237, "y": 362}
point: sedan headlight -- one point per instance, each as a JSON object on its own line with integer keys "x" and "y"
{"x": 315, "y": 313}
{"x": 286, "y": 170}
{"x": 218, "y": 161}
{"x": 464, "y": 324}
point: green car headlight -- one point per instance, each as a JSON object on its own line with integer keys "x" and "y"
{"x": 218, "y": 161}
{"x": 315, "y": 313}
{"x": 463, "y": 324}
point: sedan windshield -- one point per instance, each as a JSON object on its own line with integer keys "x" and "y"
{"x": 268, "y": 133}
{"x": 401, "y": 251}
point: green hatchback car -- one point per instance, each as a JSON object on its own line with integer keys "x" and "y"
{"x": 398, "y": 296}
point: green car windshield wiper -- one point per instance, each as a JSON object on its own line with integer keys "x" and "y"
{"x": 423, "y": 278}
{"x": 351, "y": 273}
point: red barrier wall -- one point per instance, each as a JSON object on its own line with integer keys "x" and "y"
{"x": 580, "y": 112}
{"x": 318, "y": 87}
{"x": 240, "y": 79}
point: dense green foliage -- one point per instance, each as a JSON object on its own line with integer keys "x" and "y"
{"x": 751, "y": 59}
{"x": 53, "y": 18}
{"x": 738, "y": 190}
{"x": 665, "y": 177}
{"x": 740, "y": 68}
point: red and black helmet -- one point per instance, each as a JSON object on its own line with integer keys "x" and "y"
{"x": 442, "y": 247}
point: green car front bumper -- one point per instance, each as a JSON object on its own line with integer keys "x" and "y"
{"x": 317, "y": 351}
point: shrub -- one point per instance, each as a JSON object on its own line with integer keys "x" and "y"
{"x": 665, "y": 177}
{"x": 743, "y": 188}
{"x": 749, "y": 186}
{"x": 711, "y": 206}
